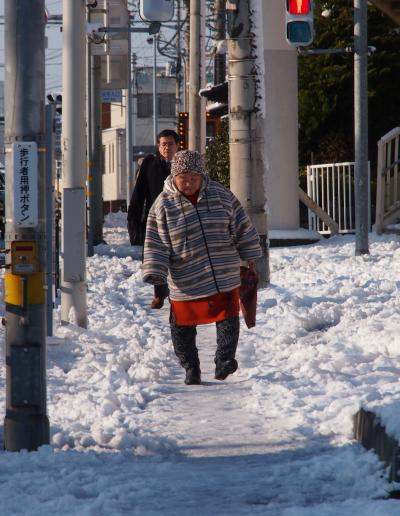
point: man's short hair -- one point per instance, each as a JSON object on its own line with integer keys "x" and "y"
{"x": 168, "y": 132}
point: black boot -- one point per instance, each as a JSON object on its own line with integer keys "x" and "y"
{"x": 184, "y": 341}
{"x": 193, "y": 376}
{"x": 227, "y": 340}
{"x": 224, "y": 369}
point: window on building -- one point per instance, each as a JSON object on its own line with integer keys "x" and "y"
{"x": 165, "y": 105}
{"x": 145, "y": 105}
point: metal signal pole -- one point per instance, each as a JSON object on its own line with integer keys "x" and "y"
{"x": 26, "y": 425}
{"x": 186, "y": 68}
{"x": 129, "y": 132}
{"x": 361, "y": 125}
{"x": 95, "y": 179}
{"x": 178, "y": 67}
{"x": 50, "y": 111}
{"x": 73, "y": 239}
{"x": 155, "y": 114}
{"x": 94, "y": 146}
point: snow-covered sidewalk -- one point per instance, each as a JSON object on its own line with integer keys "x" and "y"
{"x": 128, "y": 437}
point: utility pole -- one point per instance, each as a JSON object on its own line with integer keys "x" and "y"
{"x": 361, "y": 125}
{"x": 220, "y": 35}
{"x": 197, "y": 112}
{"x": 26, "y": 425}
{"x": 247, "y": 120}
{"x": 73, "y": 238}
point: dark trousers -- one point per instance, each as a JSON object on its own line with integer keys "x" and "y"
{"x": 161, "y": 291}
{"x": 184, "y": 341}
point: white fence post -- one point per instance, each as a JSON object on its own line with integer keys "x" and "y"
{"x": 387, "y": 186}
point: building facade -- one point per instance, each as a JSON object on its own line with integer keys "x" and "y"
{"x": 115, "y": 181}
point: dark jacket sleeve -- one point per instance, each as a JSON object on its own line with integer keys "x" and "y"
{"x": 135, "y": 219}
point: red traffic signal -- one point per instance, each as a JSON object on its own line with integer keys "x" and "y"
{"x": 299, "y": 22}
{"x": 299, "y": 6}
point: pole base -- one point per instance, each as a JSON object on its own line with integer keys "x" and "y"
{"x": 360, "y": 252}
{"x": 25, "y": 431}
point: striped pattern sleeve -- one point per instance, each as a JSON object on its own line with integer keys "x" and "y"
{"x": 156, "y": 247}
{"x": 245, "y": 235}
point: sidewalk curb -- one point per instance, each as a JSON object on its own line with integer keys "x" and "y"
{"x": 368, "y": 430}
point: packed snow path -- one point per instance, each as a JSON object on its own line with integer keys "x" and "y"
{"x": 128, "y": 437}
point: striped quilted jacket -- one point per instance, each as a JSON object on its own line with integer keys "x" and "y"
{"x": 198, "y": 247}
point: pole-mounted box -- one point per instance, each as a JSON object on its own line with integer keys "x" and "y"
{"x": 24, "y": 257}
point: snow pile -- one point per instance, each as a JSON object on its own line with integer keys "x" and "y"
{"x": 115, "y": 220}
{"x": 128, "y": 437}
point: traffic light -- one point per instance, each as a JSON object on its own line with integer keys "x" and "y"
{"x": 299, "y": 22}
{"x": 56, "y": 98}
{"x": 156, "y": 10}
{"x": 183, "y": 130}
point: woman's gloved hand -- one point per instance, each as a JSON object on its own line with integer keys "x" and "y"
{"x": 155, "y": 280}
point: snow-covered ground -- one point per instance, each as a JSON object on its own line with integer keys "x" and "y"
{"x": 128, "y": 437}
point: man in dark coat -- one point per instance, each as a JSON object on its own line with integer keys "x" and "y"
{"x": 149, "y": 184}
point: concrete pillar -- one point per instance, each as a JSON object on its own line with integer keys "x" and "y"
{"x": 73, "y": 251}
{"x": 281, "y": 120}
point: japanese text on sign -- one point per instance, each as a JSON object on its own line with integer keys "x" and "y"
{"x": 25, "y": 168}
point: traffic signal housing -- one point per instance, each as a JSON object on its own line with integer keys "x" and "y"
{"x": 156, "y": 10}
{"x": 299, "y": 22}
{"x": 56, "y": 98}
{"x": 183, "y": 130}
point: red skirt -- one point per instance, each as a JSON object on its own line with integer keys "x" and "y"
{"x": 206, "y": 310}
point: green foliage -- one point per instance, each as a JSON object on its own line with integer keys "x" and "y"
{"x": 326, "y": 85}
{"x": 217, "y": 155}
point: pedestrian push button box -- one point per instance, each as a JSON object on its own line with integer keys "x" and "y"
{"x": 24, "y": 257}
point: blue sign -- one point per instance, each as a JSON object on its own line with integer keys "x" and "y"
{"x": 112, "y": 95}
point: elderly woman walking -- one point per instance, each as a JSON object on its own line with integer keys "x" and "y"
{"x": 198, "y": 235}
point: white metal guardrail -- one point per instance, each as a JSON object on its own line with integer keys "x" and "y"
{"x": 388, "y": 180}
{"x": 331, "y": 186}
